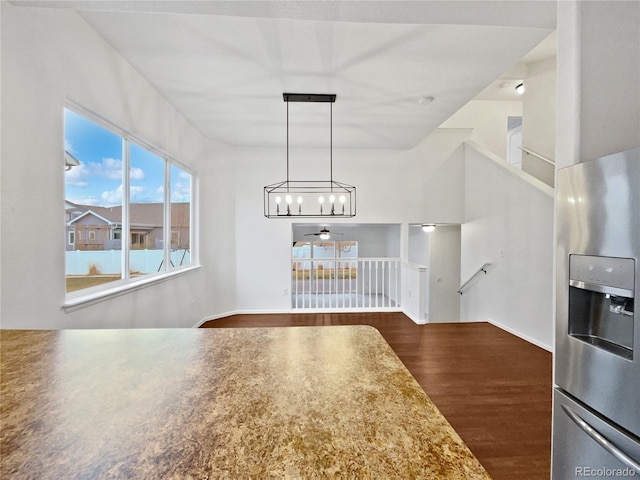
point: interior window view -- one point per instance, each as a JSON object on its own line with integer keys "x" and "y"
{"x": 320, "y": 240}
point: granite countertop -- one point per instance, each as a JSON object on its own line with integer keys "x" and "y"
{"x": 292, "y": 402}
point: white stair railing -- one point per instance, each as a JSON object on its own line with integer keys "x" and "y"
{"x": 346, "y": 283}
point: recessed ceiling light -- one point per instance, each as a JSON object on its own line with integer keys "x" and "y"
{"x": 520, "y": 88}
{"x": 426, "y": 100}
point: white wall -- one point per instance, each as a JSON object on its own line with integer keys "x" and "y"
{"x": 510, "y": 224}
{"x": 444, "y": 274}
{"x": 442, "y": 184}
{"x": 418, "y": 246}
{"x": 489, "y": 122}
{"x": 539, "y": 119}
{"x": 598, "y": 76}
{"x": 49, "y": 56}
{"x": 609, "y": 77}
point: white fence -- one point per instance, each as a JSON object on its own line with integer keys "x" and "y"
{"x": 364, "y": 283}
{"x": 107, "y": 262}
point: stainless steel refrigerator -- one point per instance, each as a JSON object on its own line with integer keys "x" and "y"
{"x": 596, "y": 403}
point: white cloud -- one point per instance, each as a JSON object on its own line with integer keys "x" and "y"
{"x": 136, "y": 194}
{"x": 136, "y": 173}
{"x": 77, "y": 176}
{"x": 181, "y": 192}
{"x": 184, "y": 175}
{"x": 110, "y": 168}
{"x": 111, "y": 198}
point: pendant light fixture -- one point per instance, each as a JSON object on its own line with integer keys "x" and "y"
{"x": 310, "y": 198}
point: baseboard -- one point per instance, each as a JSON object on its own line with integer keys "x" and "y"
{"x": 239, "y": 312}
{"x": 529, "y": 339}
{"x": 213, "y": 317}
{"x": 414, "y": 319}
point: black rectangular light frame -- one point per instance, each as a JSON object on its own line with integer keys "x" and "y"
{"x": 309, "y": 97}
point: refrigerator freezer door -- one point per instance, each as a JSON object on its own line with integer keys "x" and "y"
{"x": 597, "y": 355}
{"x": 587, "y": 445}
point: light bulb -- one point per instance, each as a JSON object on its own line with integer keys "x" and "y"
{"x": 288, "y": 199}
{"x": 321, "y": 200}
{"x": 428, "y": 228}
{"x": 324, "y": 236}
{"x": 342, "y": 199}
{"x": 520, "y": 88}
{"x": 278, "y": 200}
{"x": 332, "y": 198}
{"x": 299, "y": 200}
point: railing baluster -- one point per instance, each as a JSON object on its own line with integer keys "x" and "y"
{"x": 385, "y": 267}
{"x": 397, "y": 286}
{"x": 370, "y": 283}
{"x": 338, "y": 285}
{"x": 314, "y": 270}
{"x": 349, "y": 290}
{"x": 324, "y": 284}
{"x": 377, "y": 264}
{"x": 388, "y": 282}
{"x": 387, "y": 287}
{"x": 295, "y": 276}
{"x": 358, "y": 275}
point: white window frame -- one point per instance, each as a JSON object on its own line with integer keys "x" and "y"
{"x": 88, "y": 296}
{"x": 71, "y": 237}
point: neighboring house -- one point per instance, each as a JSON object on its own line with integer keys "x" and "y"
{"x": 91, "y": 227}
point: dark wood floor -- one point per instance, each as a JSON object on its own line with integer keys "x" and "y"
{"x": 493, "y": 387}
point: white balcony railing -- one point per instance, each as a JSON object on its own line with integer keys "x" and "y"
{"x": 339, "y": 283}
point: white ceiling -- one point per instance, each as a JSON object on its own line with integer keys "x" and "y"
{"x": 225, "y": 65}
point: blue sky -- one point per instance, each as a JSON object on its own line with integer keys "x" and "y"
{"x": 98, "y": 178}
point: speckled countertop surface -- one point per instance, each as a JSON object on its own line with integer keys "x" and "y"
{"x": 295, "y": 402}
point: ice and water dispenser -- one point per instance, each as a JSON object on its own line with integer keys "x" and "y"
{"x": 601, "y": 302}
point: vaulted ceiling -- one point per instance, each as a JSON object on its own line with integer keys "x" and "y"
{"x": 225, "y": 64}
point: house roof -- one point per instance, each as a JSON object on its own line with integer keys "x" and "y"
{"x": 87, "y": 213}
{"x": 140, "y": 214}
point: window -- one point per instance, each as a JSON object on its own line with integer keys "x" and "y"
{"x": 117, "y": 187}
{"x": 180, "y": 216}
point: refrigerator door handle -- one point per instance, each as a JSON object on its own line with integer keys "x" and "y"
{"x": 601, "y": 440}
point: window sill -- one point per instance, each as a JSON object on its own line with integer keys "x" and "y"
{"x": 81, "y": 299}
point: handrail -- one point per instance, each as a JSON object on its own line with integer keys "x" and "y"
{"x": 483, "y": 268}
{"x": 531, "y": 152}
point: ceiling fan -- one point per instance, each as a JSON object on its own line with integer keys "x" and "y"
{"x": 324, "y": 234}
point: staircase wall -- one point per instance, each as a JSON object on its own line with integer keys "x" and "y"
{"x": 509, "y": 223}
